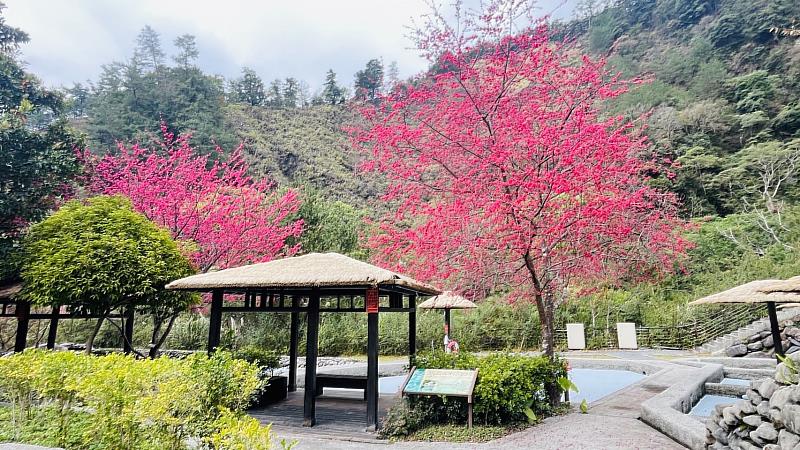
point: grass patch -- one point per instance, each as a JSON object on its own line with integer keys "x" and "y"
{"x": 460, "y": 433}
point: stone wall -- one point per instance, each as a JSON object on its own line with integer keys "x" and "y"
{"x": 762, "y": 345}
{"x": 769, "y": 418}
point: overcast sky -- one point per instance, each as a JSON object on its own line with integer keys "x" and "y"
{"x": 70, "y": 40}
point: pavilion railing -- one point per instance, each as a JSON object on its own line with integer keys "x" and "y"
{"x": 687, "y": 335}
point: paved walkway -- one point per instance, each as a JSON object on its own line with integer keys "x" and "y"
{"x": 572, "y": 431}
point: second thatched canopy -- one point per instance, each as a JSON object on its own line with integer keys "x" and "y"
{"x": 759, "y": 291}
{"x": 447, "y": 300}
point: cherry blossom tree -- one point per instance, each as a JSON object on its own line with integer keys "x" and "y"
{"x": 504, "y": 173}
{"x": 220, "y": 215}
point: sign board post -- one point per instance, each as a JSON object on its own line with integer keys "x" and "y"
{"x": 450, "y": 383}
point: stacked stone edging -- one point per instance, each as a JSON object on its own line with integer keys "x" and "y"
{"x": 769, "y": 418}
{"x": 761, "y": 344}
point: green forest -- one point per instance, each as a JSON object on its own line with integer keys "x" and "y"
{"x": 715, "y": 84}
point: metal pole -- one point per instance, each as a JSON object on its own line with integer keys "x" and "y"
{"x": 312, "y": 337}
{"x": 215, "y": 320}
{"x": 52, "y": 332}
{"x": 23, "y": 312}
{"x": 372, "y": 371}
{"x": 776, "y": 331}
{"x": 293, "y": 337}
{"x": 412, "y": 329}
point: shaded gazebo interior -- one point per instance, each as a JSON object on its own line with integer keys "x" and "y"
{"x": 312, "y": 284}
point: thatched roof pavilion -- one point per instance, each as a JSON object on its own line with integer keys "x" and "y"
{"x": 769, "y": 292}
{"x": 311, "y": 284}
{"x": 314, "y": 270}
{"x": 446, "y": 301}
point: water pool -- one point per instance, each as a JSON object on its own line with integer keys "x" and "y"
{"x": 390, "y": 385}
{"x": 706, "y": 405}
{"x": 594, "y": 384}
{"x": 735, "y": 381}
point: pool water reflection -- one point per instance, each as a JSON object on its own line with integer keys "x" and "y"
{"x": 594, "y": 384}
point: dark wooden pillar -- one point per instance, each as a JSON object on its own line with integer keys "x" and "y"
{"x": 23, "y": 312}
{"x": 52, "y": 331}
{"x": 127, "y": 339}
{"x": 215, "y": 320}
{"x": 412, "y": 329}
{"x": 447, "y": 321}
{"x": 372, "y": 371}
{"x": 776, "y": 330}
{"x": 312, "y": 338}
{"x": 293, "y": 337}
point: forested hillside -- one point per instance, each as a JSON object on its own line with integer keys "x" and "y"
{"x": 716, "y": 88}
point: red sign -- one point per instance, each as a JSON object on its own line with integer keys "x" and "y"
{"x": 372, "y": 300}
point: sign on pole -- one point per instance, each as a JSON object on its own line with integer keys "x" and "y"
{"x": 451, "y": 383}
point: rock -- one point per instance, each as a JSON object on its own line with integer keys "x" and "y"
{"x": 787, "y": 439}
{"x": 754, "y": 338}
{"x": 792, "y": 349}
{"x": 754, "y": 420}
{"x": 720, "y": 436}
{"x": 729, "y": 417}
{"x": 754, "y": 396}
{"x": 765, "y": 333}
{"x": 780, "y": 397}
{"x": 760, "y": 354}
{"x": 767, "y": 387}
{"x": 784, "y": 375}
{"x": 763, "y": 408}
{"x": 768, "y": 341}
{"x": 790, "y": 416}
{"x": 765, "y": 433}
{"x": 747, "y": 408}
{"x": 755, "y": 346}
{"x": 772, "y": 447}
{"x": 792, "y": 332}
{"x": 736, "y": 350}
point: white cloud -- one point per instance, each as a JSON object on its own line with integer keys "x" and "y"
{"x": 300, "y": 38}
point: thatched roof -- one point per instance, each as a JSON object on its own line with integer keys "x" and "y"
{"x": 751, "y": 292}
{"x": 8, "y": 291}
{"x": 790, "y": 285}
{"x": 447, "y": 300}
{"x": 307, "y": 271}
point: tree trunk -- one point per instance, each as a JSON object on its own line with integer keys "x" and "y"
{"x": 156, "y": 347}
{"x": 90, "y": 341}
{"x": 546, "y": 308}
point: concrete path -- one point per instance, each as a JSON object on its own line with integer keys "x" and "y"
{"x": 572, "y": 431}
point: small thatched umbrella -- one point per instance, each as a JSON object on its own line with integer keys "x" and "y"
{"x": 447, "y": 300}
{"x": 760, "y": 291}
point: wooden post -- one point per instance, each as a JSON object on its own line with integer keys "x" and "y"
{"x": 447, "y": 321}
{"x": 372, "y": 371}
{"x": 312, "y": 337}
{"x": 52, "y": 331}
{"x": 293, "y": 337}
{"x": 776, "y": 330}
{"x": 215, "y": 320}
{"x": 412, "y": 329}
{"x": 23, "y": 312}
{"x": 127, "y": 340}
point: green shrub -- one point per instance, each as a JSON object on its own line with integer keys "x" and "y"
{"x": 131, "y": 404}
{"x": 510, "y": 389}
{"x": 237, "y": 432}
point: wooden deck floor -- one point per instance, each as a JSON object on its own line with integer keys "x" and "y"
{"x": 339, "y": 411}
